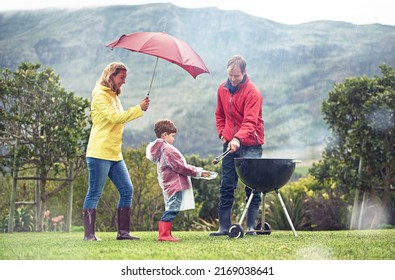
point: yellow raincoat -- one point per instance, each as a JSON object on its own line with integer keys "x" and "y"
{"x": 108, "y": 118}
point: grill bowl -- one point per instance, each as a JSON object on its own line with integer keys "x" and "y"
{"x": 264, "y": 174}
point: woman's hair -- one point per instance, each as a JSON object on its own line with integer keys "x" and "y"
{"x": 110, "y": 71}
{"x": 239, "y": 61}
{"x": 162, "y": 126}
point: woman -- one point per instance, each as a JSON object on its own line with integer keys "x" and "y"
{"x": 104, "y": 155}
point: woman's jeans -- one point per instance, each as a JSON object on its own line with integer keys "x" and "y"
{"x": 230, "y": 178}
{"x": 99, "y": 170}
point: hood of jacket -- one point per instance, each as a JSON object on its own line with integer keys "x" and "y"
{"x": 100, "y": 88}
{"x": 154, "y": 150}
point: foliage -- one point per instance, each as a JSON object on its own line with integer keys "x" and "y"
{"x": 4, "y": 223}
{"x": 43, "y": 127}
{"x": 276, "y": 216}
{"x": 361, "y": 114}
{"x": 294, "y": 195}
{"x": 5, "y": 193}
{"x": 327, "y": 210}
{"x": 24, "y": 220}
{"x": 294, "y": 203}
{"x": 310, "y": 205}
{"x": 280, "y": 245}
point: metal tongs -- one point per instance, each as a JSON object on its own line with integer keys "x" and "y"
{"x": 221, "y": 156}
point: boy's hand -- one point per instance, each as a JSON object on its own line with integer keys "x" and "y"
{"x": 205, "y": 174}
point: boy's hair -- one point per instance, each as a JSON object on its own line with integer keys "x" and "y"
{"x": 162, "y": 126}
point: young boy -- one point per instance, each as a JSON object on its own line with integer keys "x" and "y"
{"x": 173, "y": 175}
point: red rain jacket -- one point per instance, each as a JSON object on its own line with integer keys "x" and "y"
{"x": 239, "y": 115}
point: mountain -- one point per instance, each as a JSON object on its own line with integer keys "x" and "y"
{"x": 294, "y": 66}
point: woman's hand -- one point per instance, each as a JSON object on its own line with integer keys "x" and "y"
{"x": 144, "y": 104}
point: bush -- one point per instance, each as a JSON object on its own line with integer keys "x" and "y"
{"x": 23, "y": 220}
{"x": 310, "y": 206}
{"x": 327, "y": 210}
{"x": 294, "y": 200}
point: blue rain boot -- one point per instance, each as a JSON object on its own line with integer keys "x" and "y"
{"x": 251, "y": 220}
{"x": 224, "y": 222}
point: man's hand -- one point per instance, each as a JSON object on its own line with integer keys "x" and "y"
{"x": 234, "y": 145}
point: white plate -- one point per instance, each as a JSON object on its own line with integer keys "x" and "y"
{"x": 213, "y": 175}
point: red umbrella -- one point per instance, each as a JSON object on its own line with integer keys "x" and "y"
{"x": 161, "y": 44}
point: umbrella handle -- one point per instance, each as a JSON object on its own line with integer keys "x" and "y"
{"x": 152, "y": 78}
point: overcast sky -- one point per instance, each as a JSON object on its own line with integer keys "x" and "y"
{"x": 283, "y": 11}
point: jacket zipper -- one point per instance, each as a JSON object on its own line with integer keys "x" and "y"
{"x": 231, "y": 113}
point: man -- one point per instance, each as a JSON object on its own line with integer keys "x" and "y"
{"x": 240, "y": 126}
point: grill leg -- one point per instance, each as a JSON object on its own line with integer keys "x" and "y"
{"x": 247, "y": 206}
{"x": 263, "y": 196}
{"x": 286, "y": 212}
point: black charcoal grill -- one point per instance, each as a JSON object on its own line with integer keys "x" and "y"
{"x": 263, "y": 175}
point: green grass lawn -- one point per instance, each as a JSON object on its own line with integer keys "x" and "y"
{"x": 280, "y": 245}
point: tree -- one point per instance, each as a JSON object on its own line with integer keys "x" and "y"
{"x": 361, "y": 153}
{"x": 43, "y": 129}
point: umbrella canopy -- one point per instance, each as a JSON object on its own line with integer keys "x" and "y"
{"x": 165, "y": 46}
